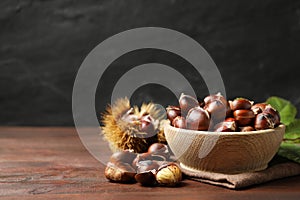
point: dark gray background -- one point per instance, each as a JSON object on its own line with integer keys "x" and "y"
{"x": 255, "y": 44}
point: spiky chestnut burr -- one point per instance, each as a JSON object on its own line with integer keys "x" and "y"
{"x": 126, "y": 127}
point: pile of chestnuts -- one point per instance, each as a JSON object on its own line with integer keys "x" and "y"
{"x": 152, "y": 168}
{"x": 218, "y": 114}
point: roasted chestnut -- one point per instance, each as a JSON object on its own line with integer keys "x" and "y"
{"x": 217, "y": 110}
{"x": 147, "y": 125}
{"x": 159, "y": 149}
{"x": 150, "y": 168}
{"x": 258, "y": 108}
{"x": 125, "y": 156}
{"x": 146, "y": 165}
{"x": 140, "y": 157}
{"x": 148, "y": 156}
{"x": 247, "y": 129}
{"x": 187, "y": 102}
{"x": 179, "y": 122}
{"x": 273, "y": 113}
{"x": 119, "y": 172}
{"x": 215, "y": 113}
{"x": 197, "y": 119}
{"x": 240, "y": 104}
{"x": 263, "y": 121}
{"x": 218, "y": 97}
{"x": 226, "y": 126}
{"x": 214, "y": 97}
{"x": 229, "y": 119}
{"x": 243, "y": 117}
{"x": 173, "y": 112}
{"x": 147, "y": 178}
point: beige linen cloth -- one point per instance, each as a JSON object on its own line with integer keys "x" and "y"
{"x": 276, "y": 170}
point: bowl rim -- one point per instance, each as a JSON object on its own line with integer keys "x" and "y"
{"x": 279, "y": 127}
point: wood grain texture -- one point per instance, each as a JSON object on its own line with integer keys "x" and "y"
{"x": 229, "y": 153}
{"x": 51, "y": 163}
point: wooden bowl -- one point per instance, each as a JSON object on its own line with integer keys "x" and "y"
{"x": 224, "y": 152}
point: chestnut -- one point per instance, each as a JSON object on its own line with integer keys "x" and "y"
{"x": 198, "y": 119}
{"x": 258, "y": 108}
{"x": 246, "y": 129}
{"x": 229, "y": 119}
{"x": 273, "y": 113}
{"x": 214, "y": 97}
{"x": 173, "y": 112}
{"x": 217, "y": 110}
{"x": 146, "y": 178}
{"x": 169, "y": 175}
{"x": 159, "y": 149}
{"x": 140, "y": 157}
{"x": 226, "y": 126}
{"x": 179, "y": 122}
{"x": 119, "y": 172}
{"x": 146, "y": 165}
{"x": 240, "y": 104}
{"x": 187, "y": 102}
{"x": 243, "y": 117}
{"x": 218, "y": 97}
{"x": 147, "y": 125}
{"x": 125, "y": 156}
{"x": 148, "y": 156}
{"x": 263, "y": 121}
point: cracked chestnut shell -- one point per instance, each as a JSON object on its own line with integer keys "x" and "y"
{"x": 263, "y": 121}
{"x": 225, "y": 126}
{"x": 146, "y": 178}
{"x": 259, "y": 108}
{"x": 274, "y": 114}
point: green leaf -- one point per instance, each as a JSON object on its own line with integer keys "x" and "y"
{"x": 290, "y": 147}
{"x": 292, "y": 131}
{"x": 290, "y": 151}
{"x": 285, "y": 108}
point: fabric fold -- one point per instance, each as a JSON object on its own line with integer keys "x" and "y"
{"x": 238, "y": 181}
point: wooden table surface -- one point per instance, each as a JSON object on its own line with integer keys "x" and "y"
{"x": 52, "y": 163}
